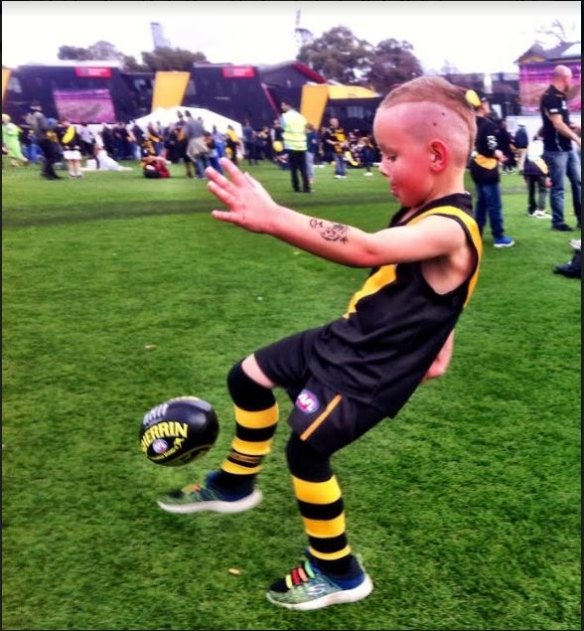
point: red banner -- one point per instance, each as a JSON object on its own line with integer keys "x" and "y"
{"x": 92, "y": 73}
{"x": 239, "y": 72}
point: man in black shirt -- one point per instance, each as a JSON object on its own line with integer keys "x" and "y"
{"x": 558, "y": 135}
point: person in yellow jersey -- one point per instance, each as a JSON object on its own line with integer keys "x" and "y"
{"x": 347, "y": 376}
{"x": 233, "y": 143}
{"x": 295, "y": 144}
{"x": 335, "y": 139}
{"x": 70, "y": 143}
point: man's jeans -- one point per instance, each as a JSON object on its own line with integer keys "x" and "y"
{"x": 560, "y": 165}
{"x": 489, "y": 205}
{"x": 340, "y": 166}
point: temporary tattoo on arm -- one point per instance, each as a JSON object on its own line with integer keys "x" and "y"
{"x": 330, "y": 231}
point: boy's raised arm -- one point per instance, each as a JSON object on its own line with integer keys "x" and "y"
{"x": 251, "y": 207}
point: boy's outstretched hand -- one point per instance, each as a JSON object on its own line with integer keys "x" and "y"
{"x": 250, "y": 205}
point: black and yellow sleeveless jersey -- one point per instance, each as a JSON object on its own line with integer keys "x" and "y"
{"x": 337, "y": 136}
{"x": 484, "y": 166}
{"x": 379, "y": 352}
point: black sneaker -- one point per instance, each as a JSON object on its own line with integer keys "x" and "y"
{"x": 562, "y": 227}
{"x": 569, "y": 270}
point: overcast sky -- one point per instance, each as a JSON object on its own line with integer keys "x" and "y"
{"x": 472, "y": 36}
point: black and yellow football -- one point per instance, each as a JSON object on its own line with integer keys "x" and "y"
{"x": 178, "y": 431}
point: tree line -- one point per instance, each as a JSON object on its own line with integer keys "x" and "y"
{"x": 338, "y": 55}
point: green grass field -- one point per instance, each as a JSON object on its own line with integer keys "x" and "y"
{"x": 119, "y": 293}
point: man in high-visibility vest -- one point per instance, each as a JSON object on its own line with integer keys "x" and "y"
{"x": 294, "y": 126}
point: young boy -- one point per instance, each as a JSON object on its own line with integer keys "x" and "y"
{"x": 536, "y": 175}
{"x": 348, "y": 375}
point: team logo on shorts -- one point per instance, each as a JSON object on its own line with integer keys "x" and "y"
{"x": 307, "y": 402}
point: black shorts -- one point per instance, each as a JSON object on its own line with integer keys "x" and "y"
{"x": 321, "y": 416}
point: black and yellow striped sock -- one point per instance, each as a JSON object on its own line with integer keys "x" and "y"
{"x": 322, "y": 510}
{"x": 254, "y": 432}
{"x": 321, "y": 506}
{"x": 256, "y": 419}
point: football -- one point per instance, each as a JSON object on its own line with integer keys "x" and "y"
{"x": 178, "y": 431}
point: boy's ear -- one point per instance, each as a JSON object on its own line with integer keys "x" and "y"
{"x": 438, "y": 155}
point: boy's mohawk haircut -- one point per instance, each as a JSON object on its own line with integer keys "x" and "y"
{"x": 432, "y": 89}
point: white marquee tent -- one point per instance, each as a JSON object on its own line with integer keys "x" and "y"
{"x": 167, "y": 115}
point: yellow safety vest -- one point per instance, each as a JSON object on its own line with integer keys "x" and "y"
{"x": 294, "y": 131}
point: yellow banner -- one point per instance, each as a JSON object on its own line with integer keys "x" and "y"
{"x": 314, "y": 100}
{"x": 5, "y": 80}
{"x": 350, "y": 92}
{"x": 169, "y": 88}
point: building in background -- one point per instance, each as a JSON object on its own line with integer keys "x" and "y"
{"x": 237, "y": 92}
{"x": 535, "y": 74}
{"x": 284, "y": 81}
{"x": 101, "y": 92}
{"x": 501, "y": 87}
{"x": 158, "y": 39}
{"x": 80, "y": 91}
{"x": 317, "y": 99}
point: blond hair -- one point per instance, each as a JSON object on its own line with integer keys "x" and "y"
{"x": 445, "y": 109}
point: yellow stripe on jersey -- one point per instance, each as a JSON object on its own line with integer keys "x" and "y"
{"x": 386, "y": 275}
{"x": 257, "y": 420}
{"x": 383, "y": 276}
{"x": 487, "y": 163}
{"x": 317, "y": 492}
{"x": 69, "y": 135}
{"x": 475, "y": 236}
